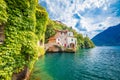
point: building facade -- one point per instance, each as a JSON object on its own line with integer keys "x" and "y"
{"x": 64, "y": 38}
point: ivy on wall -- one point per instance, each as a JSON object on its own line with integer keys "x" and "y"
{"x": 25, "y": 24}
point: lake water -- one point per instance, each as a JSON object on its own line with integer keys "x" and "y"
{"x": 99, "y": 63}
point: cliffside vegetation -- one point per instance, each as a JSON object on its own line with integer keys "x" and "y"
{"x": 24, "y": 23}
{"x": 82, "y": 42}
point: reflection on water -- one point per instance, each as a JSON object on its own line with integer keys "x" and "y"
{"x": 99, "y": 63}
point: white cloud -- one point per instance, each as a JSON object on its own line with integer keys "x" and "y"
{"x": 94, "y": 15}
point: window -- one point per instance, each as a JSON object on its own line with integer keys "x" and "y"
{"x": 62, "y": 33}
{"x": 71, "y": 39}
{"x": 69, "y": 34}
{"x": 2, "y": 36}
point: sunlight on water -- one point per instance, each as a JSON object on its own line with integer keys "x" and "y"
{"x": 99, "y": 63}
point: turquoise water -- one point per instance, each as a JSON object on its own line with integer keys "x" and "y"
{"x": 99, "y": 63}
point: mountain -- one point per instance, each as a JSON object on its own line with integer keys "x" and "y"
{"x": 109, "y": 37}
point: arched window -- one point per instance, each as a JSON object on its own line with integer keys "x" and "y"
{"x": 58, "y": 39}
{"x": 41, "y": 42}
{"x": 2, "y": 36}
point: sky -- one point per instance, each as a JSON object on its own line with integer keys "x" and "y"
{"x": 88, "y": 17}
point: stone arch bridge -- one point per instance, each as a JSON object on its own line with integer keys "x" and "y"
{"x": 48, "y": 45}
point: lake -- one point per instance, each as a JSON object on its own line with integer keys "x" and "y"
{"x": 99, "y": 63}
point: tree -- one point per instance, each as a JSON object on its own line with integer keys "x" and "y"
{"x": 88, "y": 43}
{"x": 50, "y": 30}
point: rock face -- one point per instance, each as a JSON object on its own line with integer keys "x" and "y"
{"x": 109, "y": 37}
{"x": 22, "y": 75}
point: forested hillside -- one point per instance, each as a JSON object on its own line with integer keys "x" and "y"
{"x": 82, "y": 42}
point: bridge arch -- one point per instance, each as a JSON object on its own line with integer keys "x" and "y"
{"x": 52, "y": 47}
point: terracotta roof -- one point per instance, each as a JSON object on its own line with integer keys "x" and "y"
{"x": 52, "y": 38}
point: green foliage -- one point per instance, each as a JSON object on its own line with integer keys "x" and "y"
{"x": 25, "y": 23}
{"x": 88, "y": 43}
{"x": 80, "y": 40}
{"x": 41, "y": 17}
{"x": 3, "y": 14}
{"x": 50, "y": 31}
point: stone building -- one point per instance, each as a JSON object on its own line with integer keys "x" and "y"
{"x": 64, "y": 38}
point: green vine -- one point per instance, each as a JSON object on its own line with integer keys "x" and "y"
{"x": 25, "y": 24}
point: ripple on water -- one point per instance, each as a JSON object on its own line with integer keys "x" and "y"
{"x": 100, "y": 63}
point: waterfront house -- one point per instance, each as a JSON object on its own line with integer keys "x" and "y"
{"x": 64, "y": 38}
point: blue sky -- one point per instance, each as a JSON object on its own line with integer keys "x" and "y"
{"x": 85, "y": 16}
